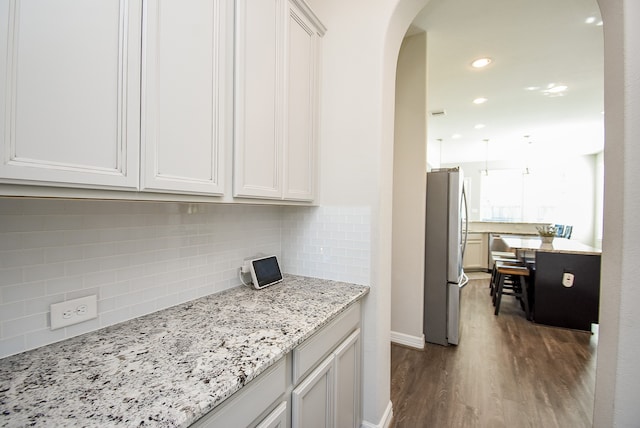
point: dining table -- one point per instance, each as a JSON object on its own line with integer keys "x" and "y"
{"x": 565, "y": 289}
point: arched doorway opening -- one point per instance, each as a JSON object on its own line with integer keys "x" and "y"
{"x": 617, "y": 377}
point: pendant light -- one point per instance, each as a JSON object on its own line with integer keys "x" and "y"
{"x": 527, "y": 156}
{"x": 486, "y": 157}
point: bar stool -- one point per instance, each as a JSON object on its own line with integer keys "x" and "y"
{"x": 499, "y": 257}
{"x": 511, "y": 281}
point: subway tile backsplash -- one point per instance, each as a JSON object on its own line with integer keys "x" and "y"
{"x": 327, "y": 242}
{"x": 140, "y": 257}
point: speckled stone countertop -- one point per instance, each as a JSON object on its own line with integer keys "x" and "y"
{"x": 171, "y": 367}
{"x": 559, "y": 245}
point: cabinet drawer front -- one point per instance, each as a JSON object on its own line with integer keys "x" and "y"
{"x": 276, "y": 419}
{"x": 307, "y": 355}
{"x": 260, "y": 393}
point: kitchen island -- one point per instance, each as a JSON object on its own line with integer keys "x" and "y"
{"x": 171, "y": 367}
{"x": 566, "y": 289}
{"x": 482, "y": 235}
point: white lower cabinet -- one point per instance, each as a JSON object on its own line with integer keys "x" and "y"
{"x": 326, "y": 375}
{"x": 245, "y": 407}
{"x": 347, "y": 369}
{"x": 330, "y": 395}
{"x": 476, "y": 254}
{"x": 276, "y": 419}
{"x": 312, "y": 401}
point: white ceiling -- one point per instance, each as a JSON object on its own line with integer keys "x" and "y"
{"x": 533, "y": 43}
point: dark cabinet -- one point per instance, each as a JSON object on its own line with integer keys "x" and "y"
{"x": 560, "y": 305}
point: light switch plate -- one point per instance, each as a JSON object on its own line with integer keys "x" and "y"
{"x": 74, "y": 311}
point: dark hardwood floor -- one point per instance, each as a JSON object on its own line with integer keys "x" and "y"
{"x": 506, "y": 372}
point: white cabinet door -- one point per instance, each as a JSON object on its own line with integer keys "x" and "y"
{"x": 70, "y": 92}
{"x": 184, "y": 102}
{"x": 312, "y": 401}
{"x": 302, "y": 80}
{"x": 276, "y": 110}
{"x": 330, "y": 395}
{"x": 259, "y": 99}
{"x": 347, "y": 382}
{"x": 476, "y": 252}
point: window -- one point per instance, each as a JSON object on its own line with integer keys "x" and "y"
{"x": 514, "y": 196}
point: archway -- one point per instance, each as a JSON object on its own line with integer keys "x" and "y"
{"x": 617, "y": 373}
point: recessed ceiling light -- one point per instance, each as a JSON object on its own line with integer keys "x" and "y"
{"x": 481, "y": 62}
{"x": 456, "y": 136}
{"x": 590, "y": 20}
{"x": 480, "y": 126}
{"x": 532, "y": 88}
{"x": 599, "y": 24}
{"x": 480, "y": 100}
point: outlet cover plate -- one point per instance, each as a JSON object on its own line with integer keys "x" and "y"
{"x": 74, "y": 311}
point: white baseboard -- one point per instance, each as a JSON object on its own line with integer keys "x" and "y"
{"x": 385, "y": 422}
{"x": 407, "y": 340}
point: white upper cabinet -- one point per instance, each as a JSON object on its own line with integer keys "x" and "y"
{"x": 184, "y": 95}
{"x": 276, "y": 110}
{"x": 258, "y": 98}
{"x": 302, "y": 59}
{"x": 70, "y": 92}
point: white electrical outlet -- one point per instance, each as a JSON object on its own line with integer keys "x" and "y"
{"x": 567, "y": 279}
{"x": 74, "y": 311}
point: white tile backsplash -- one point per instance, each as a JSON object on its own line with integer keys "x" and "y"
{"x": 328, "y": 242}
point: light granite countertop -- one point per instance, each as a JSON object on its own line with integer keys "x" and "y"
{"x": 559, "y": 245}
{"x": 171, "y": 367}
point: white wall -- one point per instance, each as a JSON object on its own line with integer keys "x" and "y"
{"x": 360, "y": 52}
{"x": 409, "y": 193}
{"x": 618, "y": 371}
{"x": 598, "y": 221}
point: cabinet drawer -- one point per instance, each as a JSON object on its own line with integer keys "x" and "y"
{"x": 246, "y": 405}
{"x": 276, "y": 419}
{"x": 309, "y": 353}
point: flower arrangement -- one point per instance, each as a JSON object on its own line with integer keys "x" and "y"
{"x": 547, "y": 233}
{"x": 547, "y": 230}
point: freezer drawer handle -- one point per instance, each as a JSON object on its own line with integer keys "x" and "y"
{"x": 465, "y": 280}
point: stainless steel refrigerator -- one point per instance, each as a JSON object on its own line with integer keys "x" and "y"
{"x": 445, "y": 242}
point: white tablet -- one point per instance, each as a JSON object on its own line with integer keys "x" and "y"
{"x": 265, "y": 271}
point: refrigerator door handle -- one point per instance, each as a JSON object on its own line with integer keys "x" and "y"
{"x": 463, "y": 281}
{"x": 466, "y": 221}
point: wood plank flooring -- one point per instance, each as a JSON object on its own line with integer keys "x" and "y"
{"x": 506, "y": 372}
